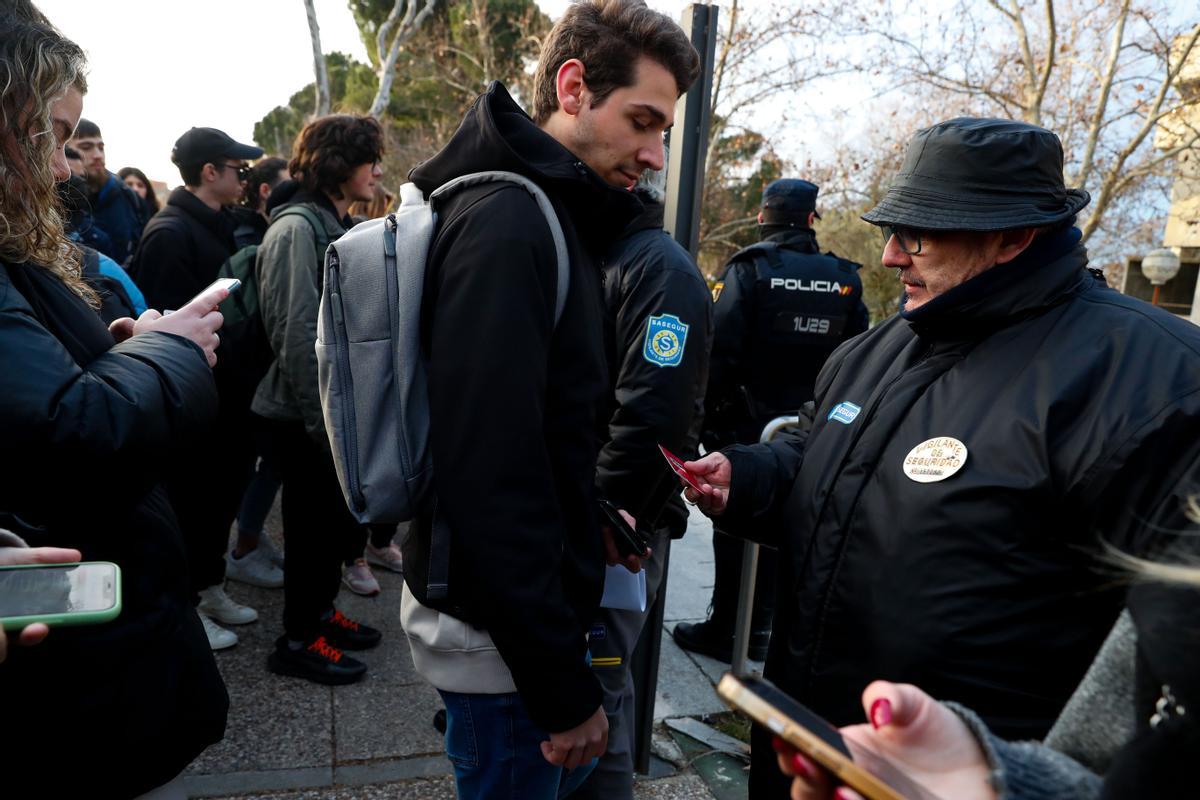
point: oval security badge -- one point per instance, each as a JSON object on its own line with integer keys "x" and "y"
{"x": 935, "y": 459}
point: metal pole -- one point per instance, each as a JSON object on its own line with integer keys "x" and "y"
{"x": 643, "y": 667}
{"x": 689, "y": 135}
{"x": 741, "y": 632}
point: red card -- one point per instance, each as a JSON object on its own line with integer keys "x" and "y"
{"x": 677, "y": 466}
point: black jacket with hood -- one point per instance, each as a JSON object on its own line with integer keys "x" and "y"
{"x": 516, "y": 402}
{"x": 649, "y": 279}
{"x": 1078, "y": 410}
{"x": 181, "y": 250}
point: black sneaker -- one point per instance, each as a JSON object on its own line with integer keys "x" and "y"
{"x": 317, "y": 661}
{"x": 343, "y": 632}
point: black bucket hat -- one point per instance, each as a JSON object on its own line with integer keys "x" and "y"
{"x": 971, "y": 174}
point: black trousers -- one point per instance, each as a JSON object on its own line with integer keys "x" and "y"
{"x": 206, "y": 491}
{"x": 727, "y": 555}
{"x": 317, "y": 529}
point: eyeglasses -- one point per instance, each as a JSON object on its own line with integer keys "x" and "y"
{"x": 243, "y": 172}
{"x": 909, "y": 239}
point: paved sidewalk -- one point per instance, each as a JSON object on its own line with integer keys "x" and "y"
{"x": 290, "y": 739}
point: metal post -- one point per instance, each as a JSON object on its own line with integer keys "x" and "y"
{"x": 689, "y": 135}
{"x": 643, "y": 667}
{"x": 741, "y": 632}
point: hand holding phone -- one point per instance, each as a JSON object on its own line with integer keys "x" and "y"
{"x": 15, "y": 556}
{"x": 59, "y": 594}
{"x": 631, "y": 543}
{"x": 198, "y": 320}
{"x": 848, "y": 759}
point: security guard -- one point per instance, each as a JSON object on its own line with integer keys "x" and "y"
{"x": 780, "y": 309}
{"x": 658, "y": 334}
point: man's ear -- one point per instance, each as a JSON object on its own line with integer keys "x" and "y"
{"x": 264, "y": 191}
{"x": 811, "y": 216}
{"x": 760, "y": 218}
{"x": 1013, "y": 243}
{"x": 208, "y": 173}
{"x": 570, "y": 86}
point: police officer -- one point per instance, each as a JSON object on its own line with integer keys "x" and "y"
{"x": 780, "y": 309}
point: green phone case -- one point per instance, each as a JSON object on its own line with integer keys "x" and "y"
{"x": 71, "y": 617}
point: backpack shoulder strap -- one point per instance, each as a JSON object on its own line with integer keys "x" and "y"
{"x": 547, "y": 209}
{"x": 313, "y": 218}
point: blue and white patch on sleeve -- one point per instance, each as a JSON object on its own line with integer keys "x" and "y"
{"x": 844, "y": 412}
{"x": 666, "y": 336}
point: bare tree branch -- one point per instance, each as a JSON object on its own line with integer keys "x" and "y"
{"x": 320, "y": 72}
{"x": 402, "y": 22}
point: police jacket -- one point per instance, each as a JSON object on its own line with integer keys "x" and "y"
{"x": 181, "y": 250}
{"x": 940, "y": 523}
{"x": 780, "y": 309}
{"x": 516, "y": 408}
{"x": 659, "y": 323}
{"x": 88, "y": 427}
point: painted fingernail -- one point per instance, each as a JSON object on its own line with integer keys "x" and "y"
{"x": 779, "y": 744}
{"x": 881, "y": 713}
{"x": 803, "y": 767}
{"x": 842, "y": 793}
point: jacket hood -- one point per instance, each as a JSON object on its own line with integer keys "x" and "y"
{"x": 282, "y": 193}
{"x": 651, "y": 217}
{"x": 496, "y": 134}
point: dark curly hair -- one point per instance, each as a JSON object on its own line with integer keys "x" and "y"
{"x": 328, "y": 150}
{"x": 609, "y": 36}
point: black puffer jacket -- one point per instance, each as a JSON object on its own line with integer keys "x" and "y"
{"x": 652, "y": 290}
{"x": 1077, "y": 407}
{"x": 516, "y": 403}
{"x": 181, "y": 250}
{"x": 87, "y": 428}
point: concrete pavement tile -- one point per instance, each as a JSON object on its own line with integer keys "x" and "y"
{"x": 683, "y": 688}
{"x": 380, "y": 720}
{"x": 689, "y": 585}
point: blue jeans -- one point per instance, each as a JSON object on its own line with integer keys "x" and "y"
{"x": 496, "y": 753}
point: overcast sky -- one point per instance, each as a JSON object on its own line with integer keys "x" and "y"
{"x": 158, "y": 67}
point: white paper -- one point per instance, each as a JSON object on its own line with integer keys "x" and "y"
{"x": 623, "y": 589}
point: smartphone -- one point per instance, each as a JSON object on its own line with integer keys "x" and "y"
{"x": 629, "y": 541}
{"x": 88, "y": 593}
{"x": 863, "y": 770}
{"x": 677, "y": 467}
{"x": 232, "y": 284}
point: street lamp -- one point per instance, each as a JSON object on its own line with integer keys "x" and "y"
{"x": 1159, "y": 266}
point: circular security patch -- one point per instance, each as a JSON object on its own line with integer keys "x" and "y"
{"x": 935, "y": 459}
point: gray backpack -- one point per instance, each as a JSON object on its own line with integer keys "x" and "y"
{"x": 371, "y": 371}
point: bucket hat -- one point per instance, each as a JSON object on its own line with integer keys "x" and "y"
{"x": 976, "y": 174}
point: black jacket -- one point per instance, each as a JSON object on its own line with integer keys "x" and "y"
{"x": 249, "y": 226}
{"x": 87, "y": 428}
{"x": 181, "y": 250}
{"x": 516, "y": 403}
{"x": 780, "y": 309}
{"x": 649, "y": 280}
{"x": 1078, "y": 408}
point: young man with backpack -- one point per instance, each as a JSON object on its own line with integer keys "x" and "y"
{"x": 181, "y": 251}
{"x": 517, "y": 394}
{"x": 335, "y": 161}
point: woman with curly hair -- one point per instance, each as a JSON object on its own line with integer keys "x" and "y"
{"x": 89, "y": 416}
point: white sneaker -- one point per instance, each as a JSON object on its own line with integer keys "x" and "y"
{"x": 359, "y": 579}
{"x": 254, "y": 568}
{"x": 218, "y": 638}
{"x": 216, "y": 604}
{"x": 388, "y": 557}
